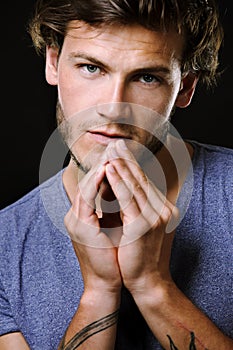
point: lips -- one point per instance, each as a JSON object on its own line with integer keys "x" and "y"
{"x": 105, "y": 137}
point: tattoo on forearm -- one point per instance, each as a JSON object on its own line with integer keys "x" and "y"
{"x": 172, "y": 345}
{"x": 192, "y": 345}
{"x": 90, "y": 330}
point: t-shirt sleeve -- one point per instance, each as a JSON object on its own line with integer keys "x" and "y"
{"x": 7, "y": 323}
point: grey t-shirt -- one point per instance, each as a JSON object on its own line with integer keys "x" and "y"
{"x": 40, "y": 278}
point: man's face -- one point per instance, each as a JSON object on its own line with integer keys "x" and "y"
{"x": 104, "y": 75}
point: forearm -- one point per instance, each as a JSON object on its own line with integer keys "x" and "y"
{"x": 94, "y": 324}
{"x": 175, "y": 321}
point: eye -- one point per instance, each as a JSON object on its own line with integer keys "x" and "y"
{"x": 89, "y": 71}
{"x": 90, "y": 68}
{"x": 148, "y": 79}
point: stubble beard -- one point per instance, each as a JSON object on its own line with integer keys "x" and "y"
{"x": 153, "y": 144}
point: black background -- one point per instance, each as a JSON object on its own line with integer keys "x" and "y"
{"x": 28, "y": 103}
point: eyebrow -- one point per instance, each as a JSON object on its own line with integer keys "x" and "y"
{"x": 88, "y": 58}
{"x": 95, "y": 61}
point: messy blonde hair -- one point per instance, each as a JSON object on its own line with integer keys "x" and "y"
{"x": 197, "y": 20}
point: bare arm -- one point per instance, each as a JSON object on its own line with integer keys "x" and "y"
{"x": 13, "y": 341}
{"x": 94, "y": 323}
{"x": 174, "y": 319}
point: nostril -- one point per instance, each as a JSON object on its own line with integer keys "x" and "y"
{"x": 114, "y": 110}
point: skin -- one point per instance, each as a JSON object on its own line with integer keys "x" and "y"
{"x": 140, "y": 67}
{"x": 122, "y": 81}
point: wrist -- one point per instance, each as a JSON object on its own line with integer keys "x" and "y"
{"x": 99, "y": 286}
{"x": 153, "y": 295}
{"x": 104, "y": 299}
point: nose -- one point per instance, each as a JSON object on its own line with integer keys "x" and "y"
{"x": 113, "y": 102}
{"x": 115, "y": 111}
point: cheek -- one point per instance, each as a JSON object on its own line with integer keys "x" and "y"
{"x": 159, "y": 100}
{"x": 161, "y": 108}
{"x": 165, "y": 103}
{"x": 75, "y": 95}
{"x": 65, "y": 92}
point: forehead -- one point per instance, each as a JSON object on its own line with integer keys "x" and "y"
{"x": 125, "y": 38}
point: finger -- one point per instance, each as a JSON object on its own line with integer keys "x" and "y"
{"x": 122, "y": 192}
{"x": 129, "y": 170}
{"x": 82, "y": 209}
{"x": 137, "y": 183}
{"x": 87, "y": 191}
{"x": 123, "y": 152}
{"x": 131, "y": 207}
{"x": 81, "y": 221}
{"x": 152, "y": 203}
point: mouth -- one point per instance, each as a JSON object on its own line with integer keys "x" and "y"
{"x": 104, "y": 138}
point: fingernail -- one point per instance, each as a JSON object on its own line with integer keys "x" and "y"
{"x": 104, "y": 158}
{"x": 113, "y": 152}
{"x": 122, "y": 144}
{"x": 99, "y": 169}
{"x": 110, "y": 168}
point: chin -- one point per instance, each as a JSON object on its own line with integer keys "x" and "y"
{"x": 86, "y": 160}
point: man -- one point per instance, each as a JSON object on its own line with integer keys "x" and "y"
{"x": 130, "y": 246}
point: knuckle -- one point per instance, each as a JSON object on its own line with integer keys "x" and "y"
{"x": 69, "y": 221}
{"x": 175, "y": 213}
{"x": 166, "y": 213}
{"x": 142, "y": 178}
{"x": 138, "y": 190}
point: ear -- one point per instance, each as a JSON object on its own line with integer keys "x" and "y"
{"x": 51, "y": 65}
{"x": 187, "y": 89}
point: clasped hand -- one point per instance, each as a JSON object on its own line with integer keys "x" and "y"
{"x": 130, "y": 247}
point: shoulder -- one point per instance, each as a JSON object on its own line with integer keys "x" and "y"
{"x": 213, "y": 151}
{"x": 20, "y": 213}
{"x": 213, "y": 159}
{"x": 28, "y": 206}
{"x": 213, "y": 178}
{"x": 25, "y": 216}
{"x": 208, "y": 188}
